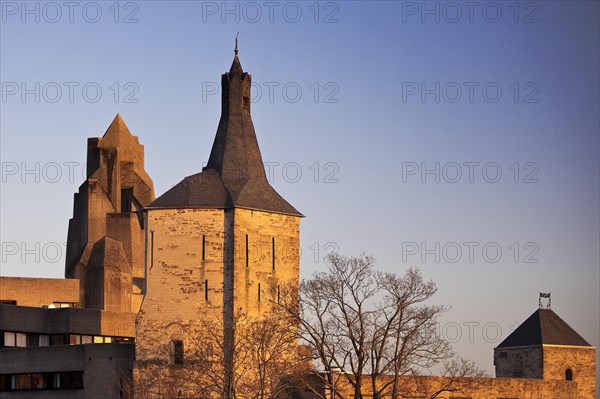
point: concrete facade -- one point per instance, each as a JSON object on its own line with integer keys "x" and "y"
{"x": 106, "y": 234}
{"x": 39, "y": 292}
{"x": 90, "y": 371}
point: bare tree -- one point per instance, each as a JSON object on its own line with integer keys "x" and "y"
{"x": 376, "y": 328}
{"x": 260, "y": 362}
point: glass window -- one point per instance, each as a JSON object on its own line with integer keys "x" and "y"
{"x": 21, "y": 340}
{"x": 23, "y": 381}
{"x": 37, "y": 381}
{"x": 44, "y": 340}
{"x": 33, "y": 340}
{"x": 87, "y": 339}
{"x": 10, "y": 339}
{"x": 57, "y": 339}
{"x": 75, "y": 339}
{"x": 98, "y": 340}
{"x": 54, "y": 380}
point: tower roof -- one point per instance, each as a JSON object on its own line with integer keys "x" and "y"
{"x": 543, "y": 327}
{"x": 118, "y": 134}
{"x": 235, "y": 174}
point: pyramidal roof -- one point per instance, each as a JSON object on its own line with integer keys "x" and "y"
{"x": 543, "y": 327}
{"x": 117, "y": 134}
{"x": 235, "y": 174}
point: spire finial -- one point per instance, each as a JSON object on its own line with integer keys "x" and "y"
{"x": 236, "y": 44}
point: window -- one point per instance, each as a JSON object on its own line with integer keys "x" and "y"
{"x": 569, "y": 375}
{"x": 64, "y": 304}
{"x": 57, "y": 339}
{"x": 71, "y": 379}
{"x": 37, "y": 381}
{"x": 203, "y": 248}
{"x": 87, "y": 339}
{"x": 21, "y": 340}
{"x": 44, "y": 340}
{"x": 178, "y": 352}
{"x": 75, "y": 339}
{"x": 273, "y": 252}
{"x": 246, "y": 101}
{"x": 8, "y": 302}
{"x": 247, "y": 251}
{"x": 126, "y": 199}
{"x": 151, "y": 249}
{"x": 206, "y": 290}
{"x": 503, "y": 354}
{"x": 10, "y": 339}
{"x": 23, "y": 381}
{"x": 258, "y": 292}
{"x": 33, "y": 340}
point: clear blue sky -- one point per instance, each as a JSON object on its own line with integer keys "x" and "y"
{"x": 389, "y": 89}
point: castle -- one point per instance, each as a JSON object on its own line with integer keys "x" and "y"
{"x": 142, "y": 273}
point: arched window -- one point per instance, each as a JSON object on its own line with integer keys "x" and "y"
{"x": 569, "y": 375}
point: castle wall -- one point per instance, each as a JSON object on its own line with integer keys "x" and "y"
{"x": 256, "y": 264}
{"x": 178, "y": 274}
{"x": 467, "y": 388}
{"x": 579, "y": 359}
{"x": 519, "y": 362}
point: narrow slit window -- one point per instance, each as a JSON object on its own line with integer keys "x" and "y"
{"x": 126, "y": 199}
{"x": 278, "y": 294}
{"x": 203, "y": 248}
{"x": 151, "y": 249}
{"x": 273, "y": 252}
{"x": 206, "y": 290}
{"x": 258, "y": 292}
{"x": 247, "y": 251}
{"x": 178, "y": 352}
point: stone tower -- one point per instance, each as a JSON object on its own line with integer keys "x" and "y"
{"x": 546, "y": 347}
{"x": 217, "y": 242}
{"x": 105, "y": 244}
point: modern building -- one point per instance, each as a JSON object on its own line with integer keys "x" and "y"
{"x": 142, "y": 273}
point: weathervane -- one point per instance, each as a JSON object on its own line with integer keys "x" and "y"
{"x": 544, "y": 295}
{"x": 236, "y": 43}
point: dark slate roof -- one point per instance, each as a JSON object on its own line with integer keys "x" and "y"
{"x": 543, "y": 327}
{"x": 235, "y": 174}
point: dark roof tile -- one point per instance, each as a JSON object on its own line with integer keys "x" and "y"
{"x": 543, "y": 327}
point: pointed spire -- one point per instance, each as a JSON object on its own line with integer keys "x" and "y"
{"x": 235, "y": 173}
{"x": 236, "y": 44}
{"x": 236, "y": 66}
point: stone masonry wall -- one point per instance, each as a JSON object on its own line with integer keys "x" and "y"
{"x": 422, "y": 387}
{"x": 263, "y": 268}
{"x": 581, "y": 361}
{"x": 519, "y": 362}
{"x": 177, "y": 277}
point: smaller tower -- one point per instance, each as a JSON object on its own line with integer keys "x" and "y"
{"x": 105, "y": 244}
{"x": 546, "y": 347}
